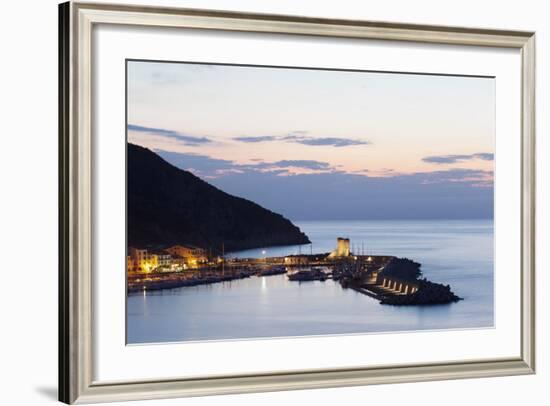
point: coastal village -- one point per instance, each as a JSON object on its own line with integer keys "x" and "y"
{"x": 178, "y": 258}
{"x": 388, "y": 279}
{"x": 173, "y": 259}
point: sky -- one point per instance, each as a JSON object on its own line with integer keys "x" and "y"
{"x": 322, "y": 144}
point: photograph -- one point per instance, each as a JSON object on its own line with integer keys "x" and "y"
{"x": 259, "y": 201}
{"x": 267, "y": 202}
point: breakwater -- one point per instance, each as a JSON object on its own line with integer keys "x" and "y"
{"x": 391, "y": 280}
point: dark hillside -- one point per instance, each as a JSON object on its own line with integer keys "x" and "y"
{"x": 167, "y": 206}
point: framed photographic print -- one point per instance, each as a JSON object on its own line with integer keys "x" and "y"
{"x": 265, "y": 202}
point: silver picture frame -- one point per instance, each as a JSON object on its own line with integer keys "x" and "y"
{"x": 76, "y": 21}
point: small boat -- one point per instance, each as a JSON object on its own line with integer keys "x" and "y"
{"x": 315, "y": 274}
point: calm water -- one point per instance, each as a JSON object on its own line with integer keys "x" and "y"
{"x": 456, "y": 252}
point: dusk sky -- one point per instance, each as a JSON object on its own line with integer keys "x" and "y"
{"x": 318, "y": 144}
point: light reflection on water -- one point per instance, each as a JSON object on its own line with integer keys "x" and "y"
{"x": 457, "y": 252}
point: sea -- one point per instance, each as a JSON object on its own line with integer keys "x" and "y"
{"x": 455, "y": 252}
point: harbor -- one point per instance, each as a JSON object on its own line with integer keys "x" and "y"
{"x": 275, "y": 306}
{"x": 388, "y": 279}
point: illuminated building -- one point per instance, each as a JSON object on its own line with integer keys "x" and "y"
{"x": 342, "y": 248}
{"x": 130, "y": 264}
{"x": 164, "y": 260}
{"x": 178, "y": 263}
{"x": 142, "y": 260}
{"x": 296, "y": 260}
{"x": 193, "y": 256}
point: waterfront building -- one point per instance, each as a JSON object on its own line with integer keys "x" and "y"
{"x": 164, "y": 260}
{"x": 296, "y": 260}
{"x": 177, "y": 263}
{"x": 130, "y": 264}
{"x": 342, "y": 248}
{"x": 193, "y": 256}
{"x": 143, "y": 260}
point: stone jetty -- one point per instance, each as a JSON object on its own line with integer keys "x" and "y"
{"x": 427, "y": 293}
{"x": 400, "y": 283}
{"x": 391, "y": 280}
